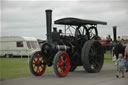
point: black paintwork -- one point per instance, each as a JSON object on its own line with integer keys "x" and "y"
{"x": 56, "y": 41}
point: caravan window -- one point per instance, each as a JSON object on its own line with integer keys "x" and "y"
{"x": 19, "y": 43}
{"x": 32, "y": 44}
{"x": 29, "y": 45}
{"x": 37, "y": 45}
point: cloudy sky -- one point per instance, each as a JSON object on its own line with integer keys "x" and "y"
{"x": 27, "y": 17}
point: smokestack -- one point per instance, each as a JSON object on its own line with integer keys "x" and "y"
{"x": 114, "y": 33}
{"x": 49, "y": 24}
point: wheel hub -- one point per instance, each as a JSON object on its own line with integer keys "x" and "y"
{"x": 61, "y": 64}
{"x": 37, "y": 63}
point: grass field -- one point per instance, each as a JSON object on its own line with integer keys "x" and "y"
{"x": 108, "y": 58}
{"x": 16, "y": 67}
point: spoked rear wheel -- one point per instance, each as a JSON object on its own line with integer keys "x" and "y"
{"x": 61, "y": 64}
{"x": 37, "y": 64}
{"x": 92, "y": 56}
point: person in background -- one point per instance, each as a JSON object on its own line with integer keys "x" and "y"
{"x": 108, "y": 38}
{"x": 120, "y": 66}
{"x": 119, "y": 48}
{"x": 118, "y": 38}
{"x": 126, "y": 57}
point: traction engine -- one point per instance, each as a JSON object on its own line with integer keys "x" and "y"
{"x": 65, "y": 51}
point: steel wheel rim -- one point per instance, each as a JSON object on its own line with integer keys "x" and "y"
{"x": 63, "y": 64}
{"x": 39, "y": 64}
{"x": 95, "y": 56}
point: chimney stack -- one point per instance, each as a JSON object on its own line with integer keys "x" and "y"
{"x": 114, "y": 33}
{"x": 49, "y": 25}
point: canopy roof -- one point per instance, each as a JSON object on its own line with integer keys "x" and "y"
{"x": 77, "y": 21}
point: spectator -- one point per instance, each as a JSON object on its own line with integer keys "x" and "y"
{"x": 109, "y": 39}
{"x": 120, "y": 66}
{"x": 126, "y": 57}
{"x": 119, "y": 48}
{"x": 118, "y": 38}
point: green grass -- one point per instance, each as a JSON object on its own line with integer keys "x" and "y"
{"x": 13, "y": 67}
{"x": 108, "y": 58}
{"x": 16, "y": 67}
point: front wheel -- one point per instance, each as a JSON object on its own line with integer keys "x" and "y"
{"x": 61, "y": 64}
{"x": 37, "y": 63}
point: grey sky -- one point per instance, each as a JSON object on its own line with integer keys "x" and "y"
{"x": 27, "y": 18}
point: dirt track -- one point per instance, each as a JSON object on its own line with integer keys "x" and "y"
{"x": 79, "y": 77}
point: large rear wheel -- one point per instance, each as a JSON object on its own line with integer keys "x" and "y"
{"x": 61, "y": 64}
{"x": 37, "y": 63}
{"x": 92, "y": 56}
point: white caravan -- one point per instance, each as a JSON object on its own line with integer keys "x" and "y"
{"x": 18, "y": 46}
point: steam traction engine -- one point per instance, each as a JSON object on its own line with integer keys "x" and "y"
{"x": 67, "y": 51}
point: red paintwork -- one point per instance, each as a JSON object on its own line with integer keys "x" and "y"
{"x": 61, "y": 62}
{"x": 105, "y": 42}
{"x": 39, "y": 64}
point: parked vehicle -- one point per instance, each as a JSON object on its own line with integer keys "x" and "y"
{"x": 18, "y": 46}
